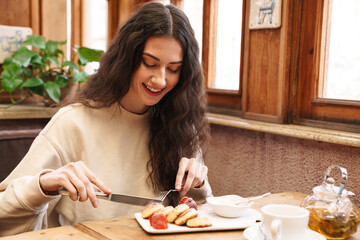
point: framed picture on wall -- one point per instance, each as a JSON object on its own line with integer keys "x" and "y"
{"x": 265, "y": 14}
{"x": 11, "y": 39}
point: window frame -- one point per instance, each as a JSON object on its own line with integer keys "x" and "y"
{"x": 220, "y": 100}
{"x": 312, "y": 109}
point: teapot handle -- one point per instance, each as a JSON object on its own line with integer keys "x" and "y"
{"x": 343, "y": 173}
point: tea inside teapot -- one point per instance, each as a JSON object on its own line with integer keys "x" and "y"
{"x": 331, "y": 211}
{"x": 322, "y": 221}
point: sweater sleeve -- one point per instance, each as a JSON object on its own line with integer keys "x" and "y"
{"x": 23, "y": 205}
{"x": 200, "y": 194}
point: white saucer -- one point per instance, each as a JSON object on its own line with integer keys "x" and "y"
{"x": 252, "y": 233}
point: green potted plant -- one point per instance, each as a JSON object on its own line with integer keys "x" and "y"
{"x": 44, "y": 70}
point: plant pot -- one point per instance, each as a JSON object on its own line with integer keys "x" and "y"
{"x": 17, "y": 96}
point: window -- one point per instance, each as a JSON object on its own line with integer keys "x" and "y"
{"x": 228, "y": 43}
{"x": 313, "y": 107}
{"x": 219, "y": 30}
{"x": 193, "y": 10}
{"x": 95, "y": 22}
{"x": 227, "y": 38}
{"x": 342, "y": 77}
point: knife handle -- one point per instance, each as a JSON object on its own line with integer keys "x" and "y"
{"x": 100, "y": 195}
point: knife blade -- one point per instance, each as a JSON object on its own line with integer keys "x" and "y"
{"x": 121, "y": 198}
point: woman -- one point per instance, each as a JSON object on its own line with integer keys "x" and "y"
{"x": 137, "y": 128}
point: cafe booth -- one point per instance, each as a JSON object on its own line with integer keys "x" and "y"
{"x": 283, "y": 106}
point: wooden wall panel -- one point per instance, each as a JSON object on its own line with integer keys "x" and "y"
{"x": 266, "y": 75}
{"x": 293, "y": 10}
{"x": 178, "y": 3}
{"x": 263, "y": 72}
{"x": 77, "y": 8}
{"x": 45, "y": 17}
{"x": 209, "y": 41}
{"x": 15, "y": 13}
{"x": 307, "y": 56}
{"x": 23, "y": 13}
{"x": 53, "y": 17}
{"x": 35, "y": 16}
{"x": 120, "y": 11}
{"x": 54, "y": 21}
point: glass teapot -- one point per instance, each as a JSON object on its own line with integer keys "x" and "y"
{"x": 331, "y": 211}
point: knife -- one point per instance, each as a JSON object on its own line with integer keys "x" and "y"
{"x": 121, "y": 198}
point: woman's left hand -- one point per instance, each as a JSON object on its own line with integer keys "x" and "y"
{"x": 191, "y": 173}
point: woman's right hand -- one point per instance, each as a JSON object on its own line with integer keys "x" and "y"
{"x": 77, "y": 178}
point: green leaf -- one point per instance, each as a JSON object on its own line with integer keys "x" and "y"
{"x": 39, "y": 90}
{"x": 61, "y": 80}
{"x": 23, "y": 56}
{"x": 10, "y": 85}
{"x": 27, "y": 72}
{"x": 35, "y": 41}
{"x": 69, "y": 64}
{"x": 51, "y": 46}
{"x": 33, "y": 82}
{"x": 36, "y": 61}
{"x": 88, "y": 55}
{"x": 80, "y": 76}
{"x": 7, "y": 61}
{"x": 54, "y": 60}
{"x": 10, "y": 71}
{"x": 11, "y": 65}
{"x": 53, "y": 90}
{"x": 59, "y": 52}
{"x": 7, "y": 85}
{"x": 6, "y": 75}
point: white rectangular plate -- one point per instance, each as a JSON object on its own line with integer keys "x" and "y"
{"x": 248, "y": 219}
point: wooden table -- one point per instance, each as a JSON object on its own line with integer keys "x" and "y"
{"x": 127, "y": 227}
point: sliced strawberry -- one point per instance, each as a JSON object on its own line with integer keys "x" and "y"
{"x": 183, "y": 200}
{"x": 150, "y": 219}
{"x": 191, "y": 203}
{"x": 159, "y": 221}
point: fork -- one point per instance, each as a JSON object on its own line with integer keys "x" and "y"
{"x": 163, "y": 194}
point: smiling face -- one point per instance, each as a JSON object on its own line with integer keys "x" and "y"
{"x": 158, "y": 73}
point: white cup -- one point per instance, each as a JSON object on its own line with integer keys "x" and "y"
{"x": 285, "y": 222}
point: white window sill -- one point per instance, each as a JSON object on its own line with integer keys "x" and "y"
{"x": 290, "y": 130}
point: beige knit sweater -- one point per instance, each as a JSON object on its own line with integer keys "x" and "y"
{"x": 112, "y": 142}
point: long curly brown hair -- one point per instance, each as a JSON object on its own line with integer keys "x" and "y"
{"x": 178, "y": 126}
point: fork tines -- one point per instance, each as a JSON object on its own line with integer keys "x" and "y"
{"x": 163, "y": 194}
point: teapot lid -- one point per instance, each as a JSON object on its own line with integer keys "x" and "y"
{"x": 328, "y": 189}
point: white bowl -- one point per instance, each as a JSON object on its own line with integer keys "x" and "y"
{"x": 224, "y": 206}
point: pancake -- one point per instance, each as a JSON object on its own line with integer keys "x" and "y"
{"x": 146, "y": 212}
{"x": 166, "y": 210}
{"x": 185, "y": 216}
{"x": 198, "y": 222}
{"x": 179, "y": 209}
